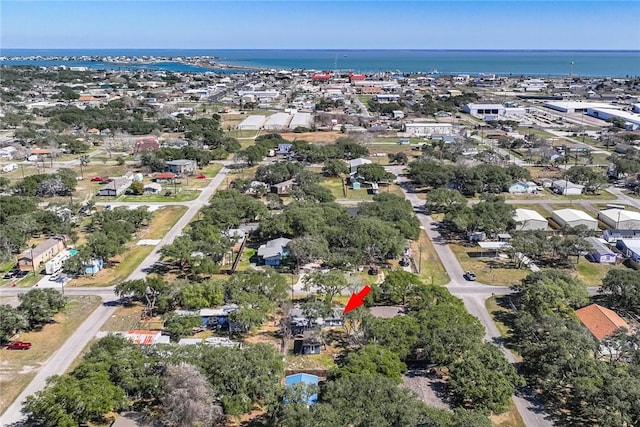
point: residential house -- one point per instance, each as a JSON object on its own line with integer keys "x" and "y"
{"x": 146, "y": 144}
{"x": 142, "y": 337}
{"x": 182, "y": 166}
{"x": 307, "y": 343}
{"x": 273, "y": 252}
{"x": 601, "y": 252}
{"x": 94, "y": 266}
{"x": 8, "y": 153}
{"x": 629, "y": 248}
{"x": 283, "y": 188}
{"x": 600, "y": 321}
{"x": 152, "y": 188}
{"x": 356, "y": 163}
{"x": 211, "y": 317}
{"x": 165, "y": 177}
{"x": 567, "y": 188}
{"x": 524, "y": 188}
{"x": 115, "y": 187}
{"x": 306, "y": 380}
{"x": 284, "y": 149}
{"x": 32, "y": 258}
{"x": 613, "y": 235}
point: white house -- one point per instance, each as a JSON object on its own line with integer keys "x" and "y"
{"x": 574, "y": 218}
{"x": 523, "y": 187}
{"x": 355, "y": 163}
{"x": 8, "y": 152}
{"x": 485, "y": 111}
{"x": 152, "y": 188}
{"x": 527, "y": 219}
{"x": 10, "y": 167}
{"x": 620, "y": 219}
{"x": 567, "y": 188}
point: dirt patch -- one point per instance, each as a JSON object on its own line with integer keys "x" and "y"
{"x": 429, "y": 388}
{"x": 326, "y": 137}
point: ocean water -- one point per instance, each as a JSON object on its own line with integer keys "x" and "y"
{"x": 500, "y": 62}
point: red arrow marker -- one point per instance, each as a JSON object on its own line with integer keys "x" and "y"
{"x": 357, "y": 300}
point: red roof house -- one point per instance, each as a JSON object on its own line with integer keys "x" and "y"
{"x": 600, "y": 321}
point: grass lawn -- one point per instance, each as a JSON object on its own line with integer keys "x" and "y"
{"x": 511, "y": 418}
{"x": 211, "y": 170}
{"x": 124, "y": 319}
{"x": 308, "y": 361}
{"x": 163, "y": 220}
{"x": 26, "y": 282}
{"x": 335, "y": 185}
{"x": 182, "y": 196}
{"x": 244, "y": 263}
{"x": 537, "y": 132}
{"x": 431, "y": 269}
{"x": 542, "y": 211}
{"x": 489, "y": 270}
{"x": 19, "y": 367}
{"x": 494, "y": 308}
{"x": 592, "y": 273}
{"x": 121, "y": 267}
{"x": 558, "y": 206}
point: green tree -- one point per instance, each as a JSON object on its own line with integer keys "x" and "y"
{"x": 68, "y": 402}
{"x": 180, "y": 326}
{"x": 622, "y": 290}
{"x": 40, "y": 305}
{"x": 335, "y": 167}
{"x": 375, "y": 173}
{"x": 328, "y": 284}
{"x": 483, "y": 380}
{"x": 11, "y": 321}
{"x": 550, "y": 291}
{"x": 373, "y": 360}
{"x": 443, "y": 200}
{"x": 398, "y": 285}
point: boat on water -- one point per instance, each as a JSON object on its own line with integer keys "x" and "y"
{"x": 433, "y": 72}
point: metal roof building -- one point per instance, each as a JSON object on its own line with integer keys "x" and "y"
{"x": 253, "y": 122}
{"x": 620, "y": 219}
{"x": 527, "y": 219}
{"x": 574, "y": 218}
{"x": 301, "y": 119}
{"x": 277, "y": 121}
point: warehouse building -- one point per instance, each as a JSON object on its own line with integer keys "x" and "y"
{"x": 277, "y": 121}
{"x": 631, "y": 120}
{"x": 527, "y": 219}
{"x": 576, "y": 106}
{"x": 620, "y": 219}
{"x": 253, "y": 122}
{"x": 574, "y": 218}
{"x": 301, "y": 120}
{"x": 428, "y": 129}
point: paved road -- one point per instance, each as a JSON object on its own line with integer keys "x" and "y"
{"x": 473, "y": 294}
{"x": 60, "y": 361}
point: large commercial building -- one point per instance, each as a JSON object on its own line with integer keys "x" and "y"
{"x": 576, "y": 106}
{"x": 253, "y": 122}
{"x": 277, "y": 121}
{"x": 527, "y": 219}
{"x": 574, "y": 218}
{"x": 428, "y": 129}
{"x": 631, "y": 120}
{"x": 620, "y": 219}
{"x": 301, "y": 120}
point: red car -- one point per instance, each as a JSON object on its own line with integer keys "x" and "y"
{"x": 19, "y": 345}
{"x": 201, "y": 176}
{"x": 96, "y": 179}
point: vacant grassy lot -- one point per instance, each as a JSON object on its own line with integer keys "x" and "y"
{"x": 431, "y": 269}
{"x": 120, "y": 268}
{"x": 336, "y": 187}
{"x": 182, "y": 196}
{"x": 163, "y": 220}
{"x": 592, "y": 273}
{"x": 490, "y": 270}
{"x": 124, "y": 319}
{"x": 17, "y": 368}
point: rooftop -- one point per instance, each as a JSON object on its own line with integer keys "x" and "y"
{"x": 600, "y": 321}
{"x": 528, "y": 215}
{"x": 573, "y": 215}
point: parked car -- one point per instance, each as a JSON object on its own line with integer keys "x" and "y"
{"x": 9, "y": 274}
{"x": 470, "y": 276}
{"x": 404, "y": 262}
{"x": 19, "y": 345}
{"x": 20, "y": 274}
{"x": 96, "y": 179}
{"x": 167, "y": 194}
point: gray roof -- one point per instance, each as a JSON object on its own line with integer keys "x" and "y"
{"x": 41, "y": 248}
{"x": 273, "y": 247}
{"x": 180, "y": 162}
{"x": 599, "y": 247}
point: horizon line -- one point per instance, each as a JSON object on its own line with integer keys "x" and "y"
{"x": 332, "y": 49}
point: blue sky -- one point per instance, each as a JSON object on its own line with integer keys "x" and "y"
{"x": 320, "y": 24}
